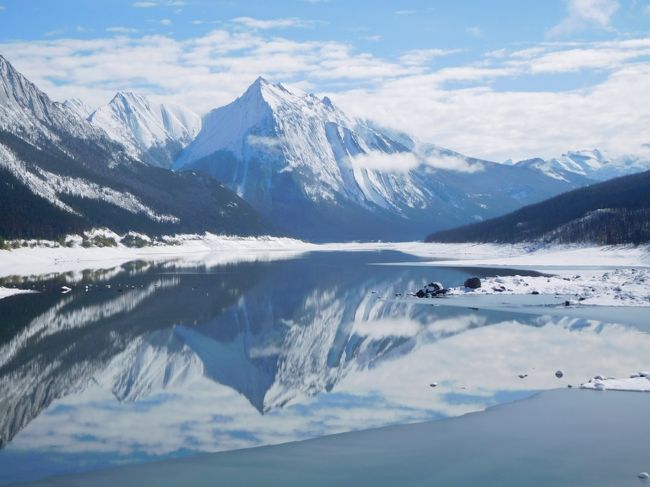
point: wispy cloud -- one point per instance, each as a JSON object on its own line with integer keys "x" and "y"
{"x": 405, "y": 12}
{"x": 144, "y": 4}
{"x": 418, "y": 57}
{"x": 266, "y": 24}
{"x": 165, "y": 22}
{"x": 584, "y": 14}
{"x": 121, "y": 30}
{"x": 54, "y": 33}
{"x": 474, "y": 31}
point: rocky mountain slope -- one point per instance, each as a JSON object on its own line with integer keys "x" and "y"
{"x": 152, "y": 132}
{"x": 60, "y": 174}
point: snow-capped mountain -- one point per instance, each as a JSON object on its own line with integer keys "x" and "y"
{"x": 60, "y": 174}
{"x": 591, "y": 164}
{"x": 319, "y": 174}
{"x": 79, "y": 107}
{"x": 152, "y": 132}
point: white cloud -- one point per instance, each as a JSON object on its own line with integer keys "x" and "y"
{"x": 423, "y": 56}
{"x": 144, "y": 4}
{"x": 406, "y": 12}
{"x": 380, "y": 161}
{"x": 265, "y": 141}
{"x": 583, "y": 14}
{"x": 261, "y": 24}
{"x": 453, "y": 163}
{"x": 121, "y": 30}
{"x": 474, "y": 31}
{"x": 165, "y": 22}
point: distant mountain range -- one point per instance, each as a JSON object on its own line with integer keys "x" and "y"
{"x": 152, "y": 132}
{"x": 316, "y": 173}
{"x": 612, "y": 212}
{"x": 60, "y": 174}
{"x": 305, "y": 168}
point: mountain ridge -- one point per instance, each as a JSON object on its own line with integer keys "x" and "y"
{"x": 318, "y": 174}
{"x": 59, "y": 174}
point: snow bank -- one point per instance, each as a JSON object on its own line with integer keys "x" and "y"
{"x": 528, "y": 256}
{"x": 620, "y": 287}
{"x": 639, "y": 382}
{"x": 5, "y": 292}
{"x": 208, "y": 250}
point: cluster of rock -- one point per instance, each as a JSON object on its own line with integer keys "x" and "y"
{"x": 432, "y": 290}
{"x": 436, "y": 289}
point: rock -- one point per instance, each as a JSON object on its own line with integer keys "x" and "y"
{"x": 432, "y": 290}
{"x": 522, "y": 376}
{"x": 559, "y": 374}
{"x": 433, "y": 384}
{"x": 472, "y": 283}
{"x": 535, "y": 292}
{"x": 65, "y": 289}
{"x": 567, "y": 303}
{"x": 599, "y": 377}
{"x": 644, "y": 475}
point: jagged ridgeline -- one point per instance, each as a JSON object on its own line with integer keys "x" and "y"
{"x": 608, "y": 213}
{"x": 59, "y": 174}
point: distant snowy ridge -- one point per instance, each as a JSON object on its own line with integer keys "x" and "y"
{"x": 592, "y": 164}
{"x": 152, "y": 132}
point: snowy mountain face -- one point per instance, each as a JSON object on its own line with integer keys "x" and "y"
{"x": 318, "y": 174}
{"x": 590, "y": 164}
{"x": 60, "y": 174}
{"x": 79, "y": 107}
{"x": 152, "y": 132}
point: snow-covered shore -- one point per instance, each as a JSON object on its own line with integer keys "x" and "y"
{"x": 618, "y": 287}
{"x": 5, "y": 292}
{"x": 606, "y": 276}
{"x": 204, "y": 249}
{"x": 638, "y": 382}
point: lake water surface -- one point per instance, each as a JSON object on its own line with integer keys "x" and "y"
{"x": 150, "y": 361}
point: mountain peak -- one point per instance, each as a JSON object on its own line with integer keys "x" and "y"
{"x": 78, "y": 106}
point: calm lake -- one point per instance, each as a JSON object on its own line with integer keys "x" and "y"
{"x": 148, "y": 361}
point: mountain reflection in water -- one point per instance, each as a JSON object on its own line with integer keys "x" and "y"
{"x": 149, "y": 361}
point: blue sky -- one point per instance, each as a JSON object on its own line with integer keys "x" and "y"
{"x": 479, "y": 77}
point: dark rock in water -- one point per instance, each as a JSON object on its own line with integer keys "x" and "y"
{"x": 433, "y": 384}
{"x": 432, "y": 290}
{"x": 567, "y": 303}
{"x": 535, "y": 292}
{"x": 559, "y": 374}
{"x": 472, "y": 283}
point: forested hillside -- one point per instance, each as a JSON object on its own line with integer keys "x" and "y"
{"x": 608, "y": 213}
